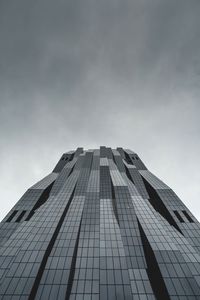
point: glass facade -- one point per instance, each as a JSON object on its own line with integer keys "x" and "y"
{"x": 100, "y": 226}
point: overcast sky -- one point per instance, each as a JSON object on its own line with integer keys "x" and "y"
{"x": 99, "y": 72}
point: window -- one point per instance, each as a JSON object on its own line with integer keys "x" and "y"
{"x": 20, "y": 216}
{"x": 30, "y": 215}
{"x": 178, "y": 216}
{"x": 188, "y": 216}
{"x": 12, "y": 216}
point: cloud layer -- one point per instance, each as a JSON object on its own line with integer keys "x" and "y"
{"x": 89, "y": 73}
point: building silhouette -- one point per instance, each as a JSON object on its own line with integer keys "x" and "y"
{"x": 100, "y": 226}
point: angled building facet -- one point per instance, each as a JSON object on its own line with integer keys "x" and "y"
{"x": 100, "y": 226}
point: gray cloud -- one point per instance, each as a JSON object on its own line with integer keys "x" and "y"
{"x": 118, "y": 73}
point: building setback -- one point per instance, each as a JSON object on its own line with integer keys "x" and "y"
{"x": 100, "y": 226}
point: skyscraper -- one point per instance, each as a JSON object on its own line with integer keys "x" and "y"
{"x": 100, "y": 226}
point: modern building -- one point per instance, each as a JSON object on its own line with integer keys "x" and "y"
{"x": 100, "y": 226}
